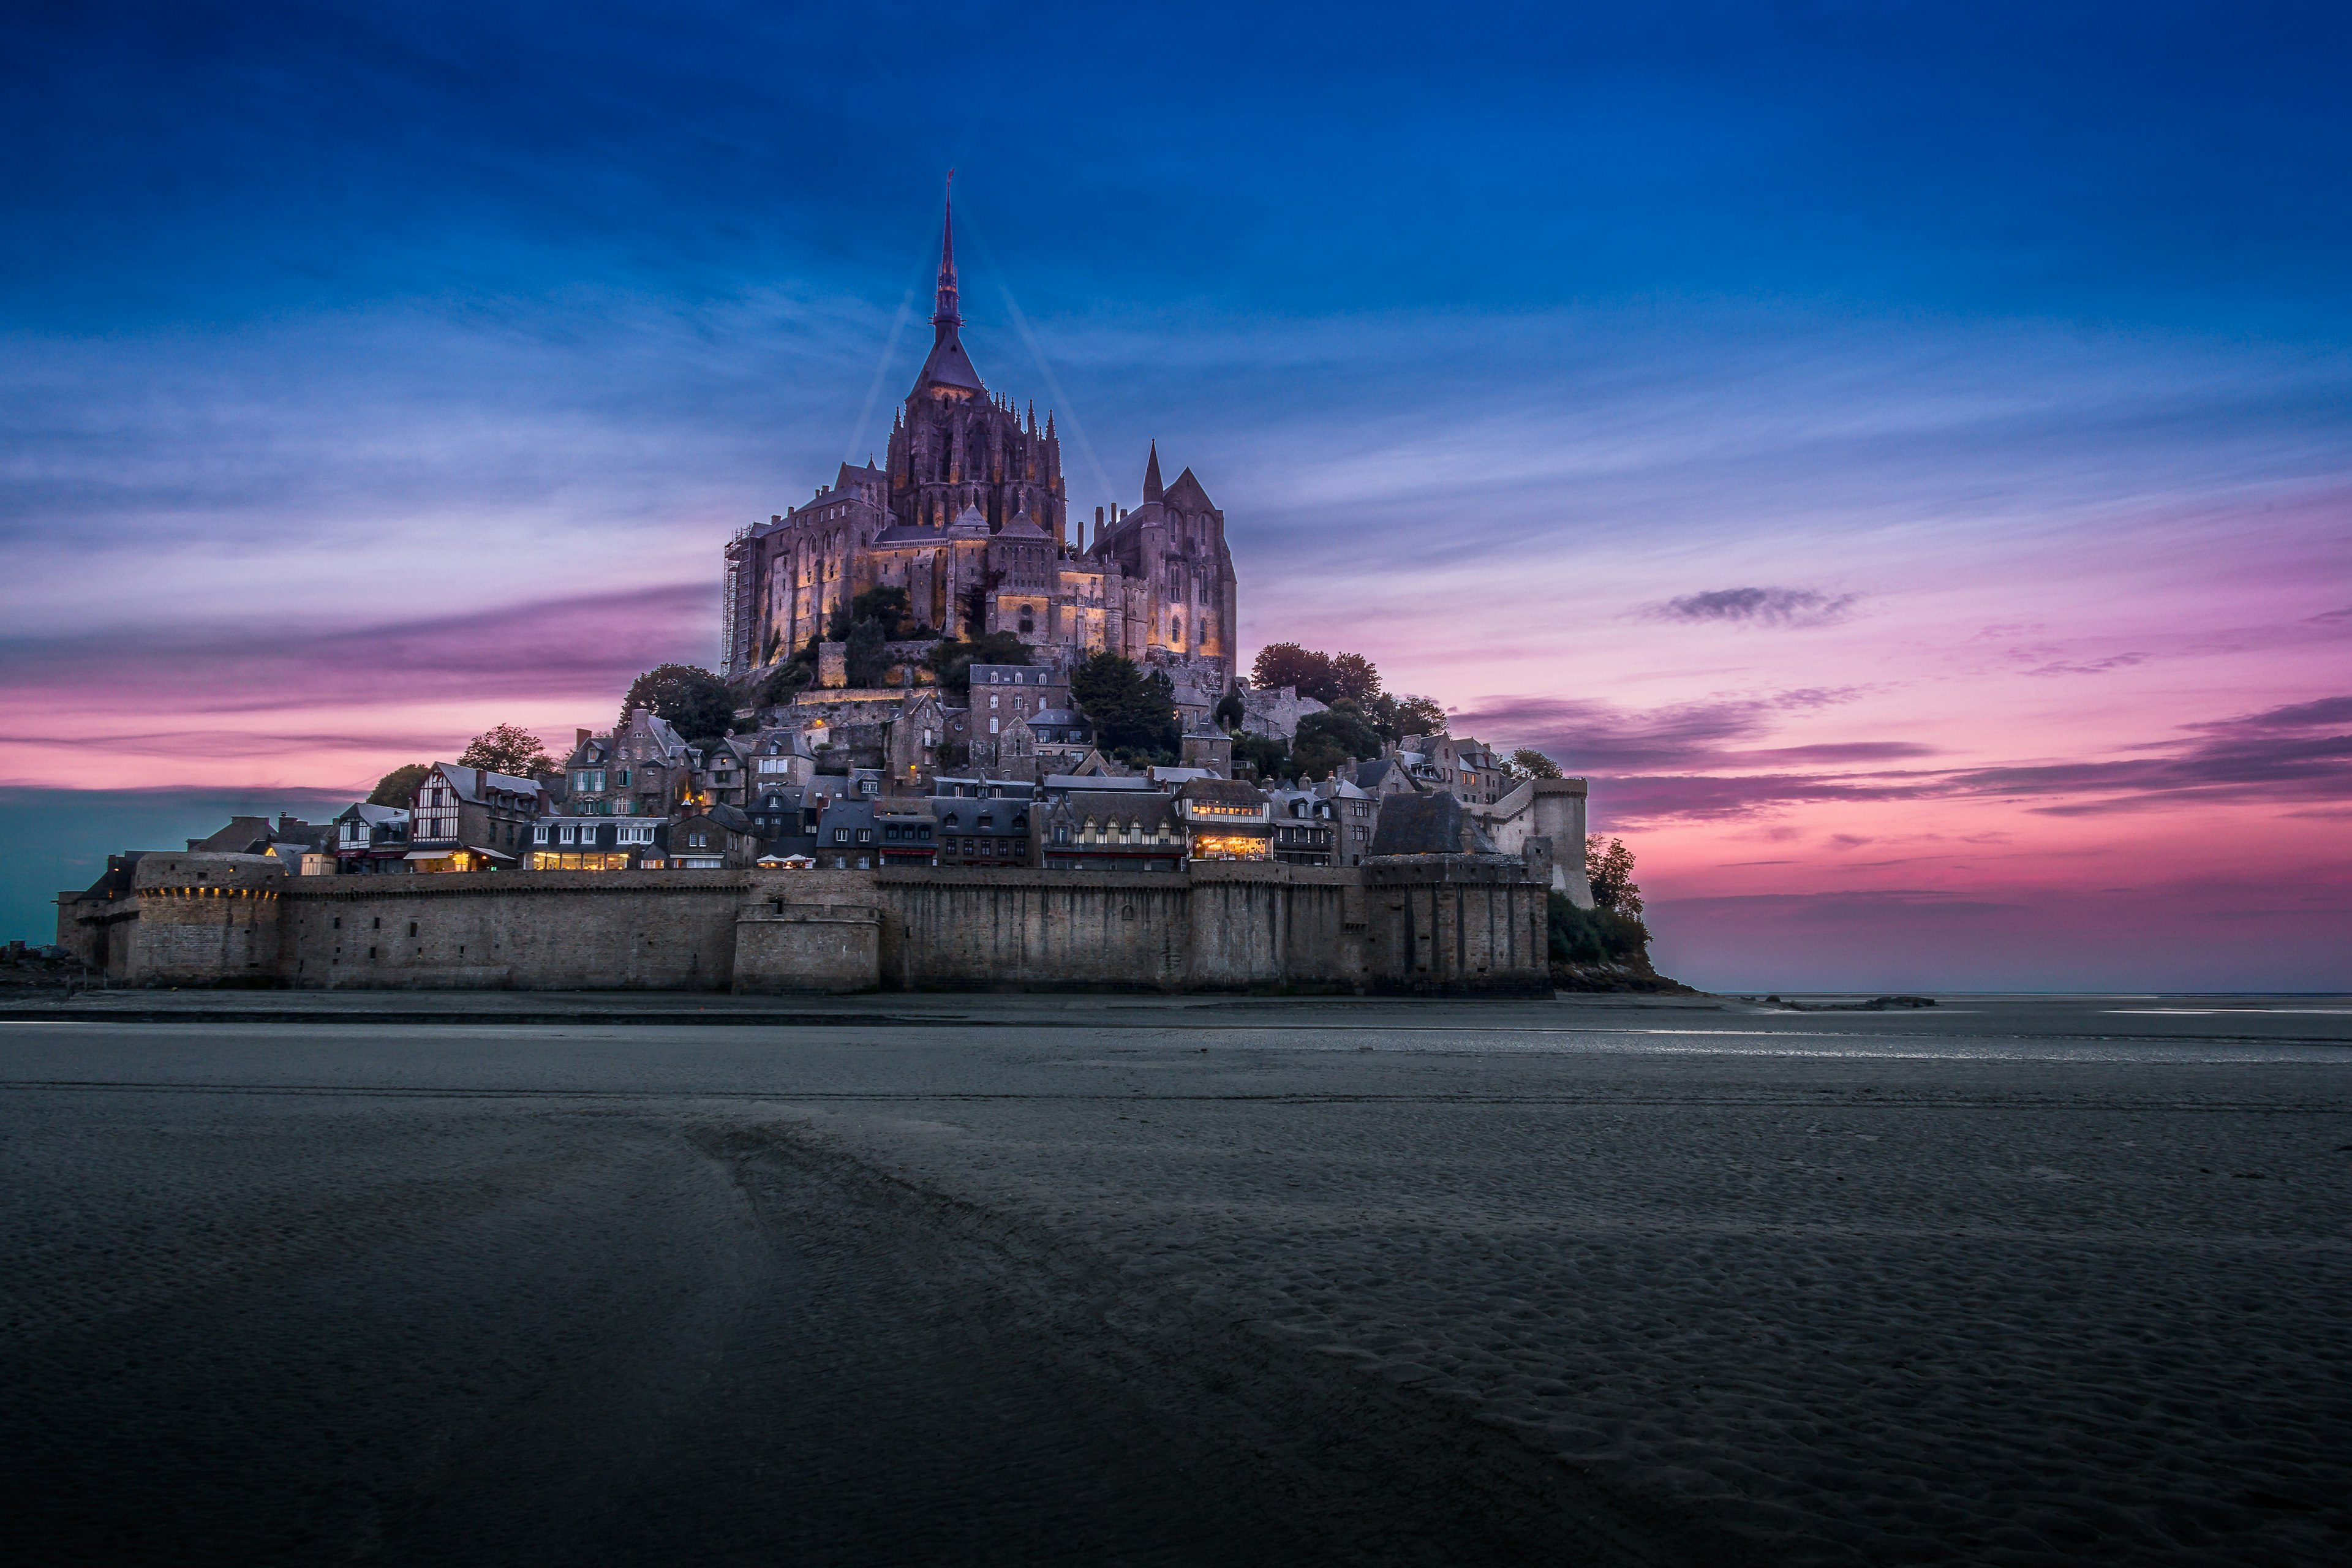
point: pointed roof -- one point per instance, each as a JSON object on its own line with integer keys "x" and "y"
{"x": 968, "y": 523}
{"x": 945, "y": 316}
{"x": 1152, "y": 489}
{"x": 1187, "y": 491}
{"x": 948, "y": 366}
{"x": 1024, "y": 526}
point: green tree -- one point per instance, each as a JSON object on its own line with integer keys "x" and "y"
{"x": 1267, "y": 756}
{"x": 1610, "y": 869}
{"x": 1132, "y": 712}
{"x": 506, "y": 749}
{"x": 1598, "y": 936}
{"x": 1354, "y": 677}
{"x": 951, "y": 661}
{"x": 1344, "y": 726}
{"x": 1531, "y": 764}
{"x": 1316, "y": 757}
{"x": 398, "y": 787}
{"x": 1230, "y": 711}
{"x": 1287, "y": 664}
{"x": 887, "y": 605}
{"x": 694, "y": 700}
{"x": 1397, "y": 717}
{"x": 1324, "y": 676}
{"x": 866, "y": 659}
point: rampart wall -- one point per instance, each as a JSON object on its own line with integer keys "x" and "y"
{"x": 1428, "y": 922}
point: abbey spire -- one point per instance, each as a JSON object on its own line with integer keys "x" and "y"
{"x": 1152, "y": 489}
{"x": 945, "y": 316}
{"x": 948, "y": 367}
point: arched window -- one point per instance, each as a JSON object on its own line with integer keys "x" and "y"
{"x": 1175, "y": 628}
{"x": 1028, "y": 621}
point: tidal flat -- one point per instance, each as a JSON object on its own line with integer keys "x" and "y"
{"x": 303, "y": 1278}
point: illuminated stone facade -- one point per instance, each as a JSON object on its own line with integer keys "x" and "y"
{"x": 968, "y": 513}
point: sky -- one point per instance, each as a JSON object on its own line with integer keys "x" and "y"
{"x": 1901, "y": 454}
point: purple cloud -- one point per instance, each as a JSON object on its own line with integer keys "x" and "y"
{"x": 586, "y": 646}
{"x": 1758, "y": 608}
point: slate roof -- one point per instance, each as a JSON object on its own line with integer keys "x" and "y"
{"x": 949, "y": 366}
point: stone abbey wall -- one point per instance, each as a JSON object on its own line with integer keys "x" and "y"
{"x": 1431, "y": 922}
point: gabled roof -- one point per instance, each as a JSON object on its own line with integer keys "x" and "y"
{"x": 243, "y": 836}
{"x": 475, "y": 783}
{"x": 969, "y": 523}
{"x": 1022, "y": 526}
{"x": 1186, "y": 494}
{"x": 1221, "y": 791}
{"x": 906, "y": 533}
{"x": 1149, "y": 807}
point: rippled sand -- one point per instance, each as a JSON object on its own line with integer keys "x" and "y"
{"x": 2013, "y": 1283}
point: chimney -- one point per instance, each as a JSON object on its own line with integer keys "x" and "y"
{"x": 579, "y": 738}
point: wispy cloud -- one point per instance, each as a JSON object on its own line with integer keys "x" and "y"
{"x": 1758, "y": 608}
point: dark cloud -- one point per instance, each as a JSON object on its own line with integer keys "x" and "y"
{"x": 2090, "y": 666}
{"x": 1758, "y": 608}
{"x": 1680, "y": 762}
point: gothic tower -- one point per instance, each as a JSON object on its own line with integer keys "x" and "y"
{"x": 956, "y": 444}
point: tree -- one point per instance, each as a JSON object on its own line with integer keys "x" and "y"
{"x": 398, "y": 787}
{"x": 1531, "y": 764}
{"x": 1132, "y": 711}
{"x": 1269, "y": 756}
{"x": 1598, "y": 935}
{"x": 1343, "y": 725}
{"x": 1397, "y": 717}
{"x": 887, "y": 606}
{"x": 1610, "y": 869}
{"x": 866, "y": 659}
{"x": 507, "y": 749}
{"x": 1354, "y": 677}
{"x": 694, "y": 700}
{"x": 1317, "y": 757}
{"x": 1324, "y": 676}
{"x": 1230, "y": 711}
{"x": 951, "y": 661}
{"x": 1287, "y": 664}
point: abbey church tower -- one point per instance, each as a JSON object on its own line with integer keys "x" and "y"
{"x": 970, "y": 516}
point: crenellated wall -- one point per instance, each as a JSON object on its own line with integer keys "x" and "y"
{"x": 1403, "y": 923}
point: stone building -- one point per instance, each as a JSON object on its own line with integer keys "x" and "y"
{"x": 968, "y": 515}
{"x": 644, "y": 769}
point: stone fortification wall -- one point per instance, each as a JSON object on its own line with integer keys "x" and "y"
{"x": 1426, "y": 922}
{"x": 1544, "y": 808}
{"x": 535, "y": 931}
{"x": 205, "y": 920}
{"x": 1223, "y": 927}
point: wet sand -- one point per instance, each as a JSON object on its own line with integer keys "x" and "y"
{"x": 958, "y": 1280}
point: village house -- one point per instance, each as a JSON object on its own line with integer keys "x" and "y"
{"x": 371, "y": 839}
{"x": 1306, "y": 831}
{"x": 470, "y": 819}
{"x": 1225, "y": 819}
{"x": 713, "y": 838}
{"x": 1110, "y": 830}
{"x": 566, "y": 843}
{"x": 982, "y": 821}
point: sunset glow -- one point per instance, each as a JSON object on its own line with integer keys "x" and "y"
{"x": 1908, "y": 473}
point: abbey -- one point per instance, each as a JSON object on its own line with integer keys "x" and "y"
{"x": 970, "y": 515}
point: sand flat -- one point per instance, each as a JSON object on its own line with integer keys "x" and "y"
{"x": 2006, "y": 1283}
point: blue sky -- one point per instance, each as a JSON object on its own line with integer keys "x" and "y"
{"x": 376, "y": 373}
